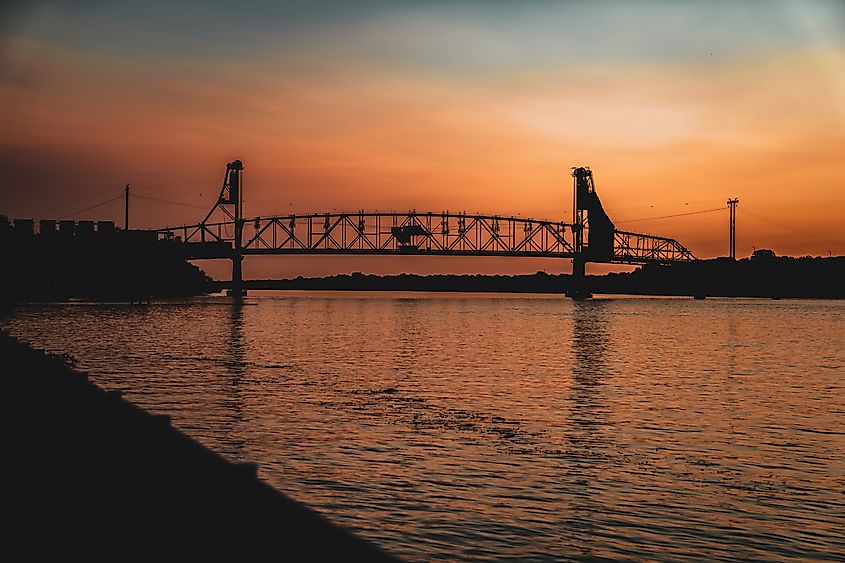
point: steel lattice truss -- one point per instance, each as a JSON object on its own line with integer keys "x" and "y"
{"x": 411, "y": 233}
{"x": 636, "y": 248}
{"x": 390, "y": 233}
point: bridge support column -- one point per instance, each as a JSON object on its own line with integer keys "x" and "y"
{"x": 578, "y": 287}
{"x": 237, "y": 290}
{"x": 233, "y": 181}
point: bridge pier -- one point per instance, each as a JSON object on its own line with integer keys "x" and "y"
{"x": 235, "y": 197}
{"x": 237, "y": 290}
{"x": 578, "y": 286}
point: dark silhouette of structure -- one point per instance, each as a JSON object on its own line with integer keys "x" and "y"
{"x": 732, "y": 204}
{"x": 126, "y": 208}
{"x": 94, "y": 260}
{"x": 591, "y": 237}
{"x": 88, "y": 259}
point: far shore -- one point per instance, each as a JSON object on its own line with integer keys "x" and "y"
{"x": 763, "y": 277}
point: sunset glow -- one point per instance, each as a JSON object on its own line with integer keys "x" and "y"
{"x": 470, "y": 106}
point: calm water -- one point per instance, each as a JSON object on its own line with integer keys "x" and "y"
{"x": 487, "y": 427}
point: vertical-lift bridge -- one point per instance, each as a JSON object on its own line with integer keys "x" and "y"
{"x": 591, "y": 236}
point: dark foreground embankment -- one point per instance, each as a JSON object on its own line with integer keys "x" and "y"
{"x": 88, "y": 473}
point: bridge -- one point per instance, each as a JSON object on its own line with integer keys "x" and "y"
{"x": 591, "y": 236}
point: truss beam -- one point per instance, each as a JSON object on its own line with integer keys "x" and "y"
{"x": 437, "y": 234}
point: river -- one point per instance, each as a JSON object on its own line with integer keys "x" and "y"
{"x": 481, "y": 427}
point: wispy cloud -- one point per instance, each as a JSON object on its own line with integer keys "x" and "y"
{"x": 477, "y": 105}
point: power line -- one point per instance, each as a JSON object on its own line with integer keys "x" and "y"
{"x": 151, "y": 189}
{"x": 112, "y": 200}
{"x": 91, "y": 207}
{"x": 789, "y": 227}
{"x": 42, "y": 211}
{"x": 664, "y": 205}
{"x": 168, "y": 201}
{"x": 675, "y": 215}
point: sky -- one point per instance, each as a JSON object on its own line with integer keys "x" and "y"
{"x": 481, "y": 106}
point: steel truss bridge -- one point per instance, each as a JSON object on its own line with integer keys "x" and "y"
{"x": 441, "y": 234}
{"x": 590, "y": 237}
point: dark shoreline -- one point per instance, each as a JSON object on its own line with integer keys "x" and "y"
{"x": 766, "y": 277}
{"x": 92, "y": 474}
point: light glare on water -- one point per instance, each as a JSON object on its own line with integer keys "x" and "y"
{"x": 484, "y": 427}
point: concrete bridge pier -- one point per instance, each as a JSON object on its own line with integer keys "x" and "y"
{"x": 235, "y": 189}
{"x": 237, "y": 290}
{"x": 578, "y": 289}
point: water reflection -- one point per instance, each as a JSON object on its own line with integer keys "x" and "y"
{"x": 589, "y": 366}
{"x": 235, "y": 343}
{"x": 584, "y": 432}
{"x": 505, "y": 428}
{"x": 408, "y": 332}
{"x": 232, "y": 404}
{"x": 730, "y": 391}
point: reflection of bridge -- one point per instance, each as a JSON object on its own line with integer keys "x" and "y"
{"x": 591, "y": 237}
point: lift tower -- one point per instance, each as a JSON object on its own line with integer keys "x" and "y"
{"x": 236, "y": 199}
{"x": 230, "y": 203}
{"x": 592, "y": 229}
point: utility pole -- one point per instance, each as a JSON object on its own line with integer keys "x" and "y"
{"x": 126, "y": 208}
{"x": 732, "y": 204}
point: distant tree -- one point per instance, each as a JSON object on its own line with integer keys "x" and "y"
{"x": 763, "y": 254}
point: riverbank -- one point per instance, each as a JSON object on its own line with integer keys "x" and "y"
{"x": 762, "y": 276}
{"x": 94, "y": 475}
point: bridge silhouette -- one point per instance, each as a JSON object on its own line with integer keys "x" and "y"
{"x": 590, "y": 237}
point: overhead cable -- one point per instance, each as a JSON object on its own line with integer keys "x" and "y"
{"x": 675, "y": 215}
{"x": 91, "y": 207}
{"x": 168, "y": 201}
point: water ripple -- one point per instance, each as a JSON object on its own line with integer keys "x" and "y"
{"x": 482, "y": 427}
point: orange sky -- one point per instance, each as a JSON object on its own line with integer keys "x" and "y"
{"x": 371, "y": 112}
